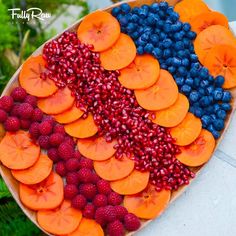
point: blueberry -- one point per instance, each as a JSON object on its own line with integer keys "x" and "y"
{"x": 194, "y": 72}
{"x": 193, "y": 57}
{"x": 182, "y": 71}
{"x": 174, "y": 17}
{"x": 157, "y": 30}
{"x": 140, "y": 30}
{"x": 134, "y": 18}
{"x": 172, "y": 70}
{"x": 177, "y": 36}
{"x": 157, "y": 52}
{"x": 204, "y": 101}
{"x": 125, "y": 8}
{"x": 192, "y": 110}
{"x": 140, "y": 50}
{"x": 196, "y": 65}
{"x": 226, "y": 106}
{"x": 169, "y": 61}
{"x": 186, "y": 89}
{"x": 191, "y": 35}
{"x": 176, "y": 27}
{"x": 185, "y": 62}
{"x": 189, "y": 81}
{"x": 186, "y": 27}
{"x": 170, "y": 10}
{"x": 216, "y": 107}
{"x": 131, "y": 27}
{"x": 194, "y": 96}
{"x": 221, "y": 114}
{"x": 176, "y": 61}
{"x": 187, "y": 42}
{"x": 211, "y": 99}
{"x": 218, "y": 124}
{"x": 209, "y": 110}
{"x": 163, "y": 5}
{"x": 206, "y": 120}
{"x": 154, "y": 39}
{"x": 148, "y": 48}
{"x": 164, "y": 66}
{"x": 196, "y": 82}
{"x": 198, "y": 112}
{"x": 204, "y": 73}
{"x": 151, "y": 20}
{"x": 217, "y": 94}
{"x": 160, "y": 23}
{"x": 154, "y": 7}
{"x": 135, "y": 35}
{"x": 213, "y": 117}
{"x": 140, "y": 42}
{"x": 167, "y": 27}
{"x": 181, "y": 53}
{"x": 167, "y": 43}
{"x": 124, "y": 21}
{"x": 145, "y": 36}
{"x": 216, "y": 134}
{"x": 204, "y": 83}
{"x": 135, "y": 10}
{"x": 179, "y": 45}
{"x": 115, "y": 11}
{"x": 143, "y": 13}
{"x": 202, "y": 91}
{"x": 226, "y": 96}
{"x": 166, "y": 53}
{"x": 219, "y": 81}
{"x": 148, "y": 29}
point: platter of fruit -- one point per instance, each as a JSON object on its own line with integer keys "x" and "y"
{"x": 108, "y": 123}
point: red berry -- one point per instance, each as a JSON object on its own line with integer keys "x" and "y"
{"x": 53, "y": 155}
{"x": 3, "y": 116}
{"x": 88, "y": 190}
{"x": 115, "y": 228}
{"x": 72, "y": 178}
{"x": 100, "y": 200}
{"x": 61, "y": 168}
{"x": 59, "y": 129}
{"x": 15, "y": 110}
{"x": 12, "y": 124}
{"x": 114, "y": 199}
{"x": 69, "y": 140}
{"x": 70, "y": 191}
{"x": 131, "y": 222}
{"x": 32, "y": 100}
{"x": 120, "y": 212}
{"x": 45, "y": 128}
{"x": 43, "y": 141}
{"x": 18, "y": 94}
{"x": 25, "y": 110}
{"x": 95, "y": 178}
{"x": 103, "y": 187}
{"x": 25, "y": 123}
{"x": 72, "y": 164}
{"x": 85, "y": 175}
{"x": 109, "y": 213}
{"x": 89, "y": 211}
{"x": 49, "y": 119}
{"x": 34, "y": 130}
{"x": 79, "y": 202}
{"x": 56, "y": 139}
{"x": 6, "y": 103}
{"x": 100, "y": 216}
{"x": 77, "y": 154}
{"x": 37, "y": 115}
{"x": 86, "y": 163}
{"x": 65, "y": 151}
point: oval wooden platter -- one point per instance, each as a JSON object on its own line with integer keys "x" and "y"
{"x": 13, "y": 184}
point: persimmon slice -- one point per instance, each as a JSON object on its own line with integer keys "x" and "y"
{"x": 134, "y": 183}
{"x": 174, "y": 114}
{"x": 33, "y": 78}
{"x": 59, "y": 221}
{"x": 221, "y": 60}
{"x": 120, "y": 55}
{"x": 57, "y": 103}
{"x": 96, "y": 149}
{"x": 188, "y": 9}
{"x": 206, "y": 19}
{"x": 198, "y": 152}
{"x": 147, "y": 204}
{"x": 18, "y": 151}
{"x": 161, "y": 95}
{"x": 88, "y": 227}
{"x": 114, "y": 169}
{"x": 70, "y": 115}
{"x": 142, "y": 73}
{"x": 82, "y": 128}
{"x": 212, "y": 36}
{"x": 36, "y": 173}
{"x": 99, "y": 29}
{"x": 187, "y": 131}
{"x": 47, "y": 194}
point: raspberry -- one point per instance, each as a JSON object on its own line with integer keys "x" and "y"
{"x": 56, "y": 139}
{"x": 59, "y": 129}
{"x": 77, "y": 154}
{"x": 95, "y": 178}
{"x": 34, "y": 130}
{"x": 3, "y": 116}
{"x": 32, "y": 100}
{"x": 6, "y": 103}
{"x": 85, "y": 175}
{"x": 15, "y": 110}
{"x": 72, "y": 178}
{"x": 65, "y": 151}
{"x": 69, "y": 140}
{"x": 114, "y": 199}
{"x": 43, "y": 141}
{"x": 12, "y": 124}
{"x": 79, "y": 202}
{"x": 120, "y": 212}
{"x": 86, "y": 163}
{"x": 88, "y": 190}
{"x": 50, "y": 119}
{"x": 131, "y": 222}
{"x": 61, "y": 168}
{"x": 70, "y": 191}
{"x": 103, "y": 187}
{"x": 72, "y": 164}
{"x": 89, "y": 211}
{"x": 53, "y": 155}
{"x": 25, "y": 123}
{"x": 100, "y": 216}
{"x": 37, "y": 115}
{"x": 25, "y": 110}
{"x": 18, "y": 94}
{"x": 109, "y": 213}
{"x": 100, "y": 200}
{"x": 115, "y": 228}
{"x": 45, "y": 128}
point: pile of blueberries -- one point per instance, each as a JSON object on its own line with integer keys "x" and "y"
{"x": 157, "y": 30}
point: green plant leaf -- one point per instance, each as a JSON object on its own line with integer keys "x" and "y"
{"x": 4, "y": 192}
